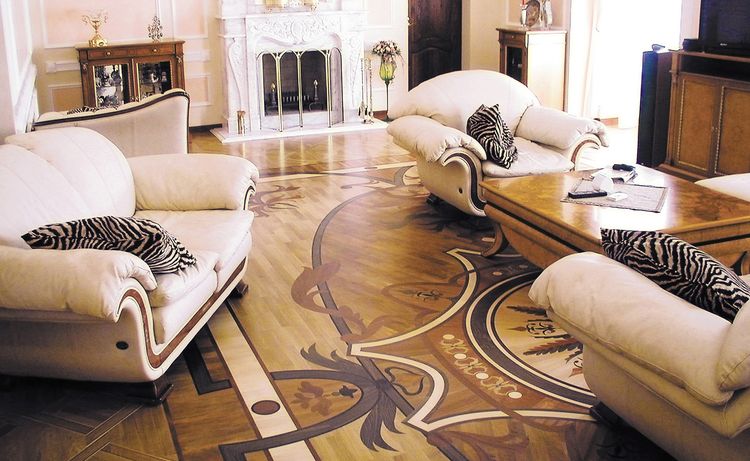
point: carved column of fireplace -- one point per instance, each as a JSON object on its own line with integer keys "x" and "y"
{"x": 246, "y": 35}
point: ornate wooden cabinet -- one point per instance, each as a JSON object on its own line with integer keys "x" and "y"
{"x": 536, "y": 58}
{"x": 709, "y": 123}
{"x": 114, "y": 75}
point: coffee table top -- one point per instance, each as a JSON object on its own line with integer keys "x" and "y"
{"x": 692, "y": 212}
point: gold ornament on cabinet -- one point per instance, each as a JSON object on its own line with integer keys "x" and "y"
{"x": 96, "y": 20}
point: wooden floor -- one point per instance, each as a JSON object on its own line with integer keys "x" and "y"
{"x": 373, "y": 330}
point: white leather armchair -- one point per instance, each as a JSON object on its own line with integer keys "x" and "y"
{"x": 431, "y": 123}
{"x": 157, "y": 124}
{"x": 677, "y": 373}
{"x": 99, "y": 315}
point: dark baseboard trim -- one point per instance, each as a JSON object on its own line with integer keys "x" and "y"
{"x": 202, "y": 128}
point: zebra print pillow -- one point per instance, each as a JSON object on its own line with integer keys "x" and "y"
{"x": 142, "y": 237}
{"x": 679, "y": 268}
{"x": 489, "y": 129}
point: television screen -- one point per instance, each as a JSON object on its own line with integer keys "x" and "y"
{"x": 725, "y": 26}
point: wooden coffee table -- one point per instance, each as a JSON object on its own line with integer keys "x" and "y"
{"x": 527, "y": 213}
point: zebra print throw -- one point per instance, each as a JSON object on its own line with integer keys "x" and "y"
{"x": 679, "y": 268}
{"x": 489, "y": 129}
{"x": 142, "y": 237}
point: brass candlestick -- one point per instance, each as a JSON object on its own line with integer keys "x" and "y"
{"x": 96, "y": 20}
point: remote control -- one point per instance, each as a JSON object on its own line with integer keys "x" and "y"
{"x": 587, "y": 194}
{"x": 623, "y": 167}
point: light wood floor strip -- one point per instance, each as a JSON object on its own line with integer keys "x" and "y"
{"x": 253, "y": 386}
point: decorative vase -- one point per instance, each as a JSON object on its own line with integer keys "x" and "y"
{"x": 387, "y": 74}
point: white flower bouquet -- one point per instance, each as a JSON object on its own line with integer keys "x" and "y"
{"x": 386, "y": 49}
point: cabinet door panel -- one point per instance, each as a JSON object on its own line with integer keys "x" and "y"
{"x": 696, "y": 130}
{"x": 734, "y": 134}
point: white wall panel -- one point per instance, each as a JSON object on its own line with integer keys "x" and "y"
{"x": 387, "y": 20}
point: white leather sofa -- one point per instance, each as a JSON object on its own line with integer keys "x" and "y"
{"x": 430, "y": 121}
{"x": 675, "y": 372}
{"x": 97, "y": 315}
{"x": 154, "y": 125}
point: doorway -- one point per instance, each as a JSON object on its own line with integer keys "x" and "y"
{"x": 607, "y": 41}
{"x": 434, "y": 39}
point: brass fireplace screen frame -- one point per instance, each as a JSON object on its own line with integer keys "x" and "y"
{"x": 328, "y": 55}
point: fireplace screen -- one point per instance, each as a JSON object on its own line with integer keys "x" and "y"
{"x": 301, "y": 87}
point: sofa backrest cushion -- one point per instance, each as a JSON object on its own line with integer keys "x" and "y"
{"x": 154, "y": 125}
{"x": 33, "y": 193}
{"x": 90, "y": 162}
{"x": 451, "y": 98}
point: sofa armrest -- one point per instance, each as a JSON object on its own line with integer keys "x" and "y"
{"x": 737, "y": 185}
{"x": 193, "y": 182}
{"x": 632, "y": 316}
{"x": 154, "y": 125}
{"x": 86, "y": 282}
{"x": 557, "y": 128}
{"x": 430, "y": 139}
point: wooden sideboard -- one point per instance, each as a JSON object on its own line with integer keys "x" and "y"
{"x": 536, "y": 58}
{"x": 117, "y": 74}
{"x": 709, "y": 121}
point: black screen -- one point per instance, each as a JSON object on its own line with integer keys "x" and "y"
{"x": 725, "y": 26}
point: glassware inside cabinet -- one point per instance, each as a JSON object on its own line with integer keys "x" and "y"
{"x": 111, "y": 85}
{"x": 154, "y": 78}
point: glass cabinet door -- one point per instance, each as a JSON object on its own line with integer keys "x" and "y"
{"x": 111, "y": 84}
{"x": 153, "y": 78}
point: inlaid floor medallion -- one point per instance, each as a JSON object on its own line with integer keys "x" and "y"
{"x": 373, "y": 330}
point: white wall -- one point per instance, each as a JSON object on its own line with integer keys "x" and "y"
{"x": 479, "y": 46}
{"x": 17, "y": 94}
{"x": 58, "y": 28}
{"x": 387, "y": 20}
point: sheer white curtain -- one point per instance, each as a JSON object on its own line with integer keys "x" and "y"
{"x": 607, "y": 41}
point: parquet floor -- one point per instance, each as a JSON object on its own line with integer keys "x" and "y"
{"x": 373, "y": 330}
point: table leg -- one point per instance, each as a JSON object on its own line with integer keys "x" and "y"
{"x": 500, "y": 243}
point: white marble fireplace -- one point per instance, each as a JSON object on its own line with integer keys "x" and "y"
{"x": 252, "y": 35}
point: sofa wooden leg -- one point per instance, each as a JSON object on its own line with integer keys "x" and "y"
{"x": 151, "y": 393}
{"x": 239, "y": 290}
{"x": 433, "y": 200}
{"x": 499, "y": 244}
{"x": 604, "y": 415}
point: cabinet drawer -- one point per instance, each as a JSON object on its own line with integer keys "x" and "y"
{"x": 105, "y": 53}
{"x": 154, "y": 50}
{"x": 513, "y": 38}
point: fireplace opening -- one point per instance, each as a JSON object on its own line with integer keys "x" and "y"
{"x": 301, "y": 87}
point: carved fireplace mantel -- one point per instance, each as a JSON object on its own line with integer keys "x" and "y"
{"x": 248, "y": 31}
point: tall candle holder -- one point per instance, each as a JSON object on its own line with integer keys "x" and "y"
{"x": 96, "y": 20}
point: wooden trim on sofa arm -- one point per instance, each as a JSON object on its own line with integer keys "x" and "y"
{"x": 583, "y": 144}
{"x": 474, "y": 192}
{"x": 154, "y": 359}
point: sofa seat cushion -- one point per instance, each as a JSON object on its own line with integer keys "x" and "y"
{"x": 632, "y": 316}
{"x": 218, "y": 231}
{"x": 532, "y": 159}
{"x": 174, "y": 286}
